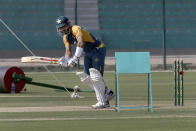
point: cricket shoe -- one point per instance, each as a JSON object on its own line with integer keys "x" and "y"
{"x": 109, "y": 94}
{"x": 99, "y": 105}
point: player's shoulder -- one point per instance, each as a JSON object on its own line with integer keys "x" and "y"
{"x": 76, "y": 27}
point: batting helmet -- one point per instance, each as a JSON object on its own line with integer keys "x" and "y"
{"x": 62, "y": 21}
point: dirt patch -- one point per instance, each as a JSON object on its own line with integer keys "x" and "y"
{"x": 188, "y": 105}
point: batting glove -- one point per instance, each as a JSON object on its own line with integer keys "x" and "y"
{"x": 63, "y": 61}
{"x": 73, "y": 61}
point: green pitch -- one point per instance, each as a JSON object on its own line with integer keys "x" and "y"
{"x": 41, "y": 108}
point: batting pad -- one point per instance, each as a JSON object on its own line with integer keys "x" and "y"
{"x": 85, "y": 78}
{"x": 98, "y": 84}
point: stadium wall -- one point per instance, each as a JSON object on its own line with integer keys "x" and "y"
{"x": 123, "y": 25}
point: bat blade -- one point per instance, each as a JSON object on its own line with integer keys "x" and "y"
{"x": 39, "y": 59}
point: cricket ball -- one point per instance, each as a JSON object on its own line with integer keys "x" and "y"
{"x": 181, "y": 72}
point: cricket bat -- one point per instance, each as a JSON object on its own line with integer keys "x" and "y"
{"x": 39, "y": 59}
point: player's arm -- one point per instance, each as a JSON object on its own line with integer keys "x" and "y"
{"x": 68, "y": 53}
{"x": 80, "y": 41}
{"x": 79, "y": 48}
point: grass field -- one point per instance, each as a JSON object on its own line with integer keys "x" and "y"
{"x": 41, "y": 108}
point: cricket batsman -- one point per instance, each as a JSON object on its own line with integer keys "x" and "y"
{"x": 94, "y": 57}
